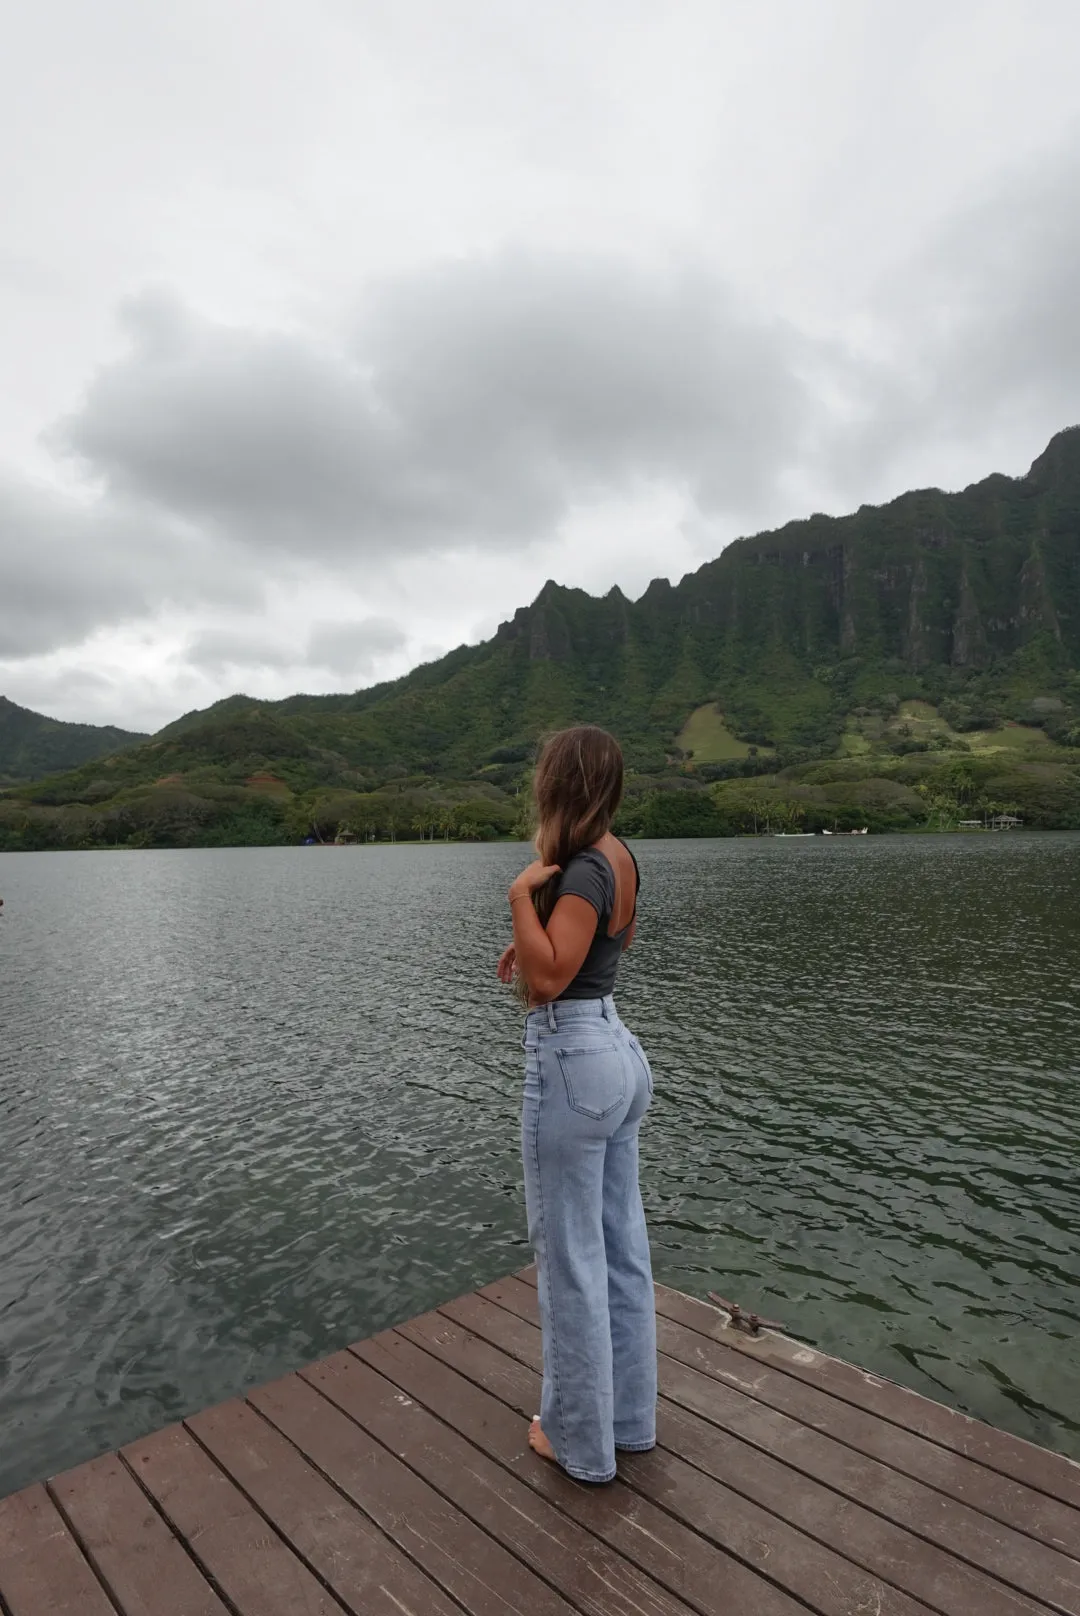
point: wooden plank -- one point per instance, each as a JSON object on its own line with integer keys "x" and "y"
{"x": 232, "y": 1542}
{"x": 999, "y": 1497}
{"x": 918, "y": 1557}
{"x": 1045, "y": 1570}
{"x": 351, "y": 1555}
{"x": 1046, "y": 1472}
{"x": 1040, "y": 1569}
{"x": 42, "y": 1569}
{"x": 396, "y": 1478}
{"x": 475, "y": 1570}
{"x": 926, "y": 1569}
{"x": 806, "y": 1569}
{"x": 670, "y": 1553}
{"x": 949, "y": 1471}
{"x": 592, "y": 1578}
{"x": 135, "y": 1554}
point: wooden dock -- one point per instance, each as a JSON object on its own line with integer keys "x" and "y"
{"x": 394, "y": 1479}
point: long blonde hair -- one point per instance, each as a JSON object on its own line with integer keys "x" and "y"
{"x": 577, "y": 789}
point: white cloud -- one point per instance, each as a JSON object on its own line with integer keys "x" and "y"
{"x": 421, "y": 305}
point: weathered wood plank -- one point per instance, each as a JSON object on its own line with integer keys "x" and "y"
{"x": 810, "y": 1570}
{"x": 353, "y": 1557}
{"x": 137, "y": 1557}
{"x": 43, "y": 1572}
{"x": 1038, "y": 1468}
{"x": 592, "y": 1578}
{"x": 475, "y": 1570}
{"x": 395, "y": 1479}
{"x": 952, "y": 1456}
{"x": 1031, "y": 1565}
{"x": 1046, "y": 1573}
{"x": 990, "y": 1493}
{"x": 670, "y": 1553}
{"x": 918, "y": 1557}
{"x": 251, "y": 1564}
{"x": 873, "y": 1540}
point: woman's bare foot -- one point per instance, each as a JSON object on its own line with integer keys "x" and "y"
{"x": 539, "y": 1443}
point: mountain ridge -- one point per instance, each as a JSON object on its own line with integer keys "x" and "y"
{"x": 929, "y": 580}
{"x": 32, "y": 744}
{"x": 898, "y": 628}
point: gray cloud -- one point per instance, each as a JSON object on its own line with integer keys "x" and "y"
{"x": 349, "y": 648}
{"x": 473, "y": 405}
{"x": 69, "y": 567}
{"x": 478, "y": 403}
{"x": 977, "y": 335}
{"x": 1005, "y": 304}
{"x": 352, "y": 649}
{"x": 219, "y": 650}
{"x": 413, "y": 317}
{"x": 57, "y": 582}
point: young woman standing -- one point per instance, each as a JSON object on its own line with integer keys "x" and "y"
{"x": 587, "y": 1087}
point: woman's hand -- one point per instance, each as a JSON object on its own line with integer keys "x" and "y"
{"x": 537, "y": 875}
{"x": 507, "y": 965}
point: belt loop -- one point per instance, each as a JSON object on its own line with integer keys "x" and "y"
{"x": 552, "y": 1023}
{"x": 604, "y": 1003}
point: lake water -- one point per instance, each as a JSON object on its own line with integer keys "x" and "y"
{"x": 255, "y": 1104}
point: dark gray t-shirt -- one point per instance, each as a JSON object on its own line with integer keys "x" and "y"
{"x": 589, "y": 875}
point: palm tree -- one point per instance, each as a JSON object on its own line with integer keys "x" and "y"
{"x": 942, "y": 809}
{"x": 758, "y": 809}
{"x": 419, "y": 824}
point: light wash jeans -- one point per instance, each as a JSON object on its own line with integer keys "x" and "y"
{"x": 587, "y": 1087}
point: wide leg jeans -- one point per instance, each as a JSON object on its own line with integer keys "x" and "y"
{"x": 587, "y": 1087}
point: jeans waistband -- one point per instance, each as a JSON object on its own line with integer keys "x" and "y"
{"x": 561, "y": 1012}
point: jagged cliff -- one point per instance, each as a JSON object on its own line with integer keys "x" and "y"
{"x": 932, "y": 579}
{"x": 971, "y": 599}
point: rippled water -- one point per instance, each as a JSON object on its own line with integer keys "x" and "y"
{"x": 257, "y": 1103}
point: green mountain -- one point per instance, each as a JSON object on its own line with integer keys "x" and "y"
{"x": 32, "y": 745}
{"x": 969, "y": 598}
{"x": 936, "y": 624}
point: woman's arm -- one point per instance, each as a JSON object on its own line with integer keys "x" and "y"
{"x": 549, "y": 959}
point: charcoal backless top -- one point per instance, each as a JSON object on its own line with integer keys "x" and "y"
{"x": 589, "y": 875}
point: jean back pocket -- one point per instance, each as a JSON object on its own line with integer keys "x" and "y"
{"x": 595, "y": 1078}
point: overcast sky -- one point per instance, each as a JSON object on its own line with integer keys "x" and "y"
{"x": 330, "y": 330}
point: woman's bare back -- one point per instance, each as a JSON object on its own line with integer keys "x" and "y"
{"x": 622, "y": 910}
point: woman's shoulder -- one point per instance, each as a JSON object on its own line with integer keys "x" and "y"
{"x": 588, "y": 858}
{"x": 590, "y": 869}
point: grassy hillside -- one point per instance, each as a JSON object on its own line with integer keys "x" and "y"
{"x": 32, "y": 745}
{"x": 940, "y": 625}
{"x": 706, "y": 738}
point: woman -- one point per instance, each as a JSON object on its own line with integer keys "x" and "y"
{"x": 587, "y": 1087}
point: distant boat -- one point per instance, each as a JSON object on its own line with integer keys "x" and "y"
{"x": 865, "y": 831}
{"x": 794, "y": 833}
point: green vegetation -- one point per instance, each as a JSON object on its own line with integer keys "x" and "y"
{"x": 898, "y": 794}
{"x": 706, "y": 738}
{"x": 32, "y": 745}
{"x": 828, "y": 675}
